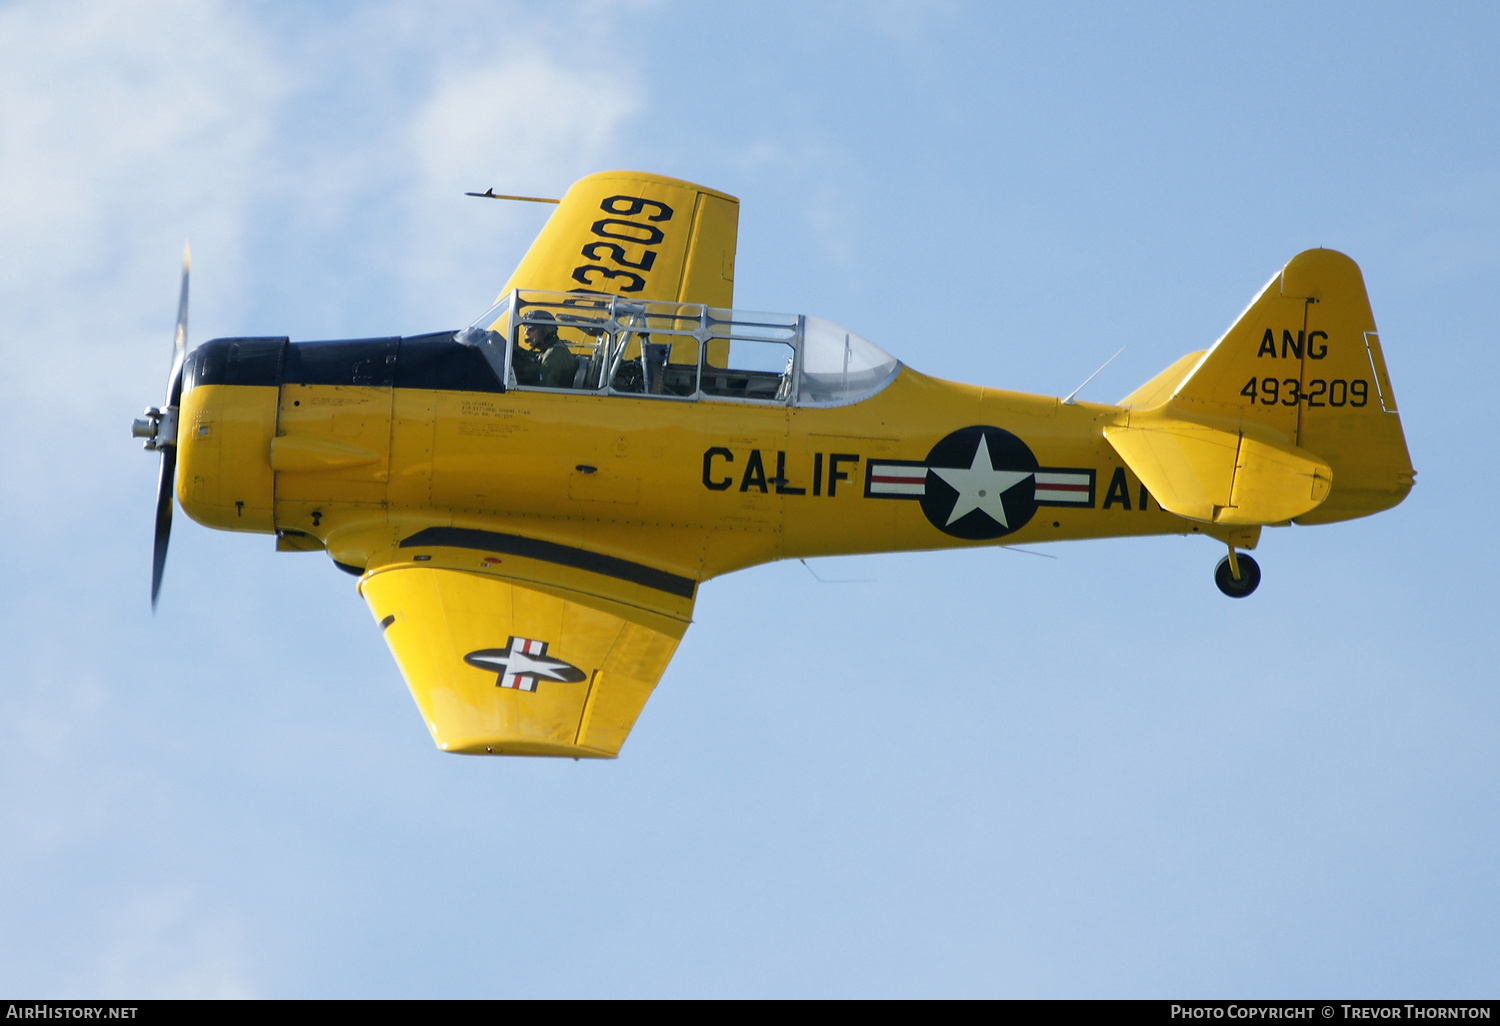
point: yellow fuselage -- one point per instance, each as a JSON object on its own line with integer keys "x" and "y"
{"x": 697, "y": 489}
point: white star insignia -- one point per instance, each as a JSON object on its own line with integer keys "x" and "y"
{"x": 520, "y": 663}
{"x": 541, "y": 667}
{"x": 981, "y": 485}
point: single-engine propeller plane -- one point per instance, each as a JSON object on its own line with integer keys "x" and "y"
{"x": 531, "y": 502}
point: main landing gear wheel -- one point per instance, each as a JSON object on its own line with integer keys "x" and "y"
{"x": 1245, "y": 583}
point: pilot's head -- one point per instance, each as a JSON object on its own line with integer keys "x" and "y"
{"x": 542, "y": 332}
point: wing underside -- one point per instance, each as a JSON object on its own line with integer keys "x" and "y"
{"x": 504, "y": 667}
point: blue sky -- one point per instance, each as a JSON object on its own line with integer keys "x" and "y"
{"x": 979, "y": 773}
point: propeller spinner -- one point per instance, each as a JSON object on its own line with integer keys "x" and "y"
{"x": 159, "y": 429}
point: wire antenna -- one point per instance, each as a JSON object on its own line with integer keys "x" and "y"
{"x": 1070, "y": 401}
{"x": 490, "y": 193}
{"x": 836, "y": 580}
{"x": 1027, "y": 552}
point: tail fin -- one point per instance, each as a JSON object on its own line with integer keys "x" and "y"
{"x": 1289, "y": 416}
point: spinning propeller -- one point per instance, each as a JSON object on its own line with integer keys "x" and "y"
{"x": 159, "y": 429}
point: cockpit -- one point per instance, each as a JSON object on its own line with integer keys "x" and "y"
{"x": 565, "y": 341}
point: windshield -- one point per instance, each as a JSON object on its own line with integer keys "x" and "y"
{"x": 839, "y": 366}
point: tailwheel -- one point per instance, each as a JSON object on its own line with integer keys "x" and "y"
{"x": 1237, "y": 575}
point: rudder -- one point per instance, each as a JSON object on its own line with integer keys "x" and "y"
{"x": 1302, "y": 371}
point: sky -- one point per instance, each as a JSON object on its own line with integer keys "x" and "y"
{"x": 978, "y": 773}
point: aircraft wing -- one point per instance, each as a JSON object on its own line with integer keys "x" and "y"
{"x": 512, "y": 663}
{"x": 636, "y": 235}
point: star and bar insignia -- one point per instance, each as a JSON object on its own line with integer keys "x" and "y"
{"x": 979, "y": 482}
{"x": 523, "y": 662}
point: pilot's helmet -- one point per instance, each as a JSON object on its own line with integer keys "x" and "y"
{"x": 543, "y": 321}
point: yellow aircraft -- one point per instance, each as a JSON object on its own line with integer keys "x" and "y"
{"x": 531, "y": 503}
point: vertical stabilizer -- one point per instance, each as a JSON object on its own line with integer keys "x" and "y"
{"x": 1289, "y": 416}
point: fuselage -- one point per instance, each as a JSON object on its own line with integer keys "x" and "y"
{"x": 357, "y": 447}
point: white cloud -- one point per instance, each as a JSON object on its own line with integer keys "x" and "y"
{"x": 529, "y": 123}
{"x": 525, "y": 119}
{"x": 122, "y": 129}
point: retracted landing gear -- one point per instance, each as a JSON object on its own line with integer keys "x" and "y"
{"x": 1237, "y": 574}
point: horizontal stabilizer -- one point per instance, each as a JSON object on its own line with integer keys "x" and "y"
{"x": 1221, "y": 477}
{"x": 1160, "y": 388}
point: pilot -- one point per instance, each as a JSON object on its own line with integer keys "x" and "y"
{"x": 546, "y": 359}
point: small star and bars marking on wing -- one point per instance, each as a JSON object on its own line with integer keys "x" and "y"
{"x": 523, "y": 662}
{"x": 979, "y": 482}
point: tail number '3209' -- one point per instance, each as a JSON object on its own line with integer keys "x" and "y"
{"x": 632, "y": 223}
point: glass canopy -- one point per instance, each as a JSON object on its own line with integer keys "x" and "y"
{"x": 567, "y": 341}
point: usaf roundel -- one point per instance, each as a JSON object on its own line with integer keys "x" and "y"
{"x": 523, "y": 662}
{"x": 979, "y": 482}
